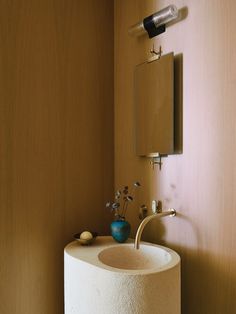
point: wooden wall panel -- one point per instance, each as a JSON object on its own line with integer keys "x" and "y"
{"x": 200, "y": 183}
{"x": 56, "y": 141}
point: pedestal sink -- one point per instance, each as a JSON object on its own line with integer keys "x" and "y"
{"x": 112, "y": 278}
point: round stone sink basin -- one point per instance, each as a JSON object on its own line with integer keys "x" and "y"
{"x": 110, "y": 278}
{"x": 126, "y": 257}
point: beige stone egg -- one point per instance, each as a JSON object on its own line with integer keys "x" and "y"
{"x": 86, "y": 235}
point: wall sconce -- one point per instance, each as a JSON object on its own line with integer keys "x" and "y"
{"x": 155, "y": 24}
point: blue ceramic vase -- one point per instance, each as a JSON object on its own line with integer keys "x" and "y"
{"x": 120, "y": 230}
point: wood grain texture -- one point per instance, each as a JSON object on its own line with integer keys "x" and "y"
{"x": 56, "y": 141}
{"x": 200, "y": 183}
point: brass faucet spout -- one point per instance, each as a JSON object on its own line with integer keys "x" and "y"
{"x": 169, "y": 212}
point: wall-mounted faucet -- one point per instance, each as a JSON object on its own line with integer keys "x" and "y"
{"x": 157, "y": 213}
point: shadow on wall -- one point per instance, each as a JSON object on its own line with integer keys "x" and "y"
{"x": 203, "y": 274}
{"x": 207, "y": 271}
{"x": 156, "y": 231}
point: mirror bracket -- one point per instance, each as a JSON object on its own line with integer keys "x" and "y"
{"x": 157, "y": 160}
{"x": 156, "y": 55}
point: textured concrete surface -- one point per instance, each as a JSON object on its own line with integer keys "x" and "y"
{"x": 93, "y": 287}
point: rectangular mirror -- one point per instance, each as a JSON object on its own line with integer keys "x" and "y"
{"x": 154, "y": 106}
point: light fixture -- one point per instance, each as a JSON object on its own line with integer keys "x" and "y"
{"x": 155, "y": 24}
